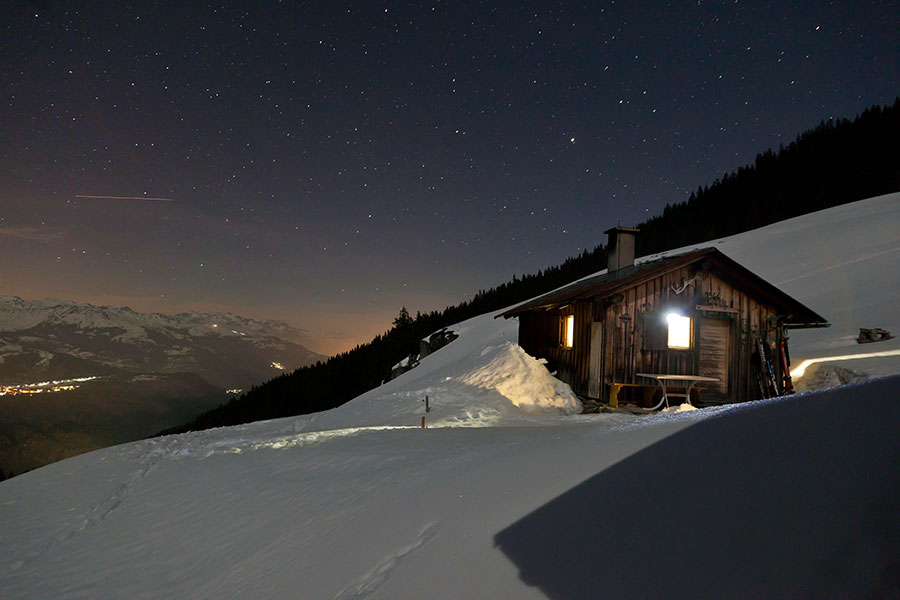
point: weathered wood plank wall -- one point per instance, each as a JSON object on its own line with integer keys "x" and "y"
{"x": 634, "y": 332}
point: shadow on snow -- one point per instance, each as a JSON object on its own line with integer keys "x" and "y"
{"x": 792, "y": 498}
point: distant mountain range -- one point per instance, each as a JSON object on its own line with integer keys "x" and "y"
{"x": 59, "y": 339}
{"x": 132, "y": 374}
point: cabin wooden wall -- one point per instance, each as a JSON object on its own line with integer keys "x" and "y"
{"x": 631, "y": 345}
{"x": 751, "y": 319}
{"x": 633, "y": 348}
{"x": 539, "y": 335}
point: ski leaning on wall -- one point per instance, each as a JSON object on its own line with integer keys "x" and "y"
{"x": 768, "y": 383}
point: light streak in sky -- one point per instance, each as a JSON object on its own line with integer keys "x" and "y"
{"x": 800, "y": 369}
{"x": 123, "y": 198}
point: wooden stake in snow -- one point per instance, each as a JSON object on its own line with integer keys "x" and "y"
{"x": 423, "y": 422}
{"x": 427, "y": 407}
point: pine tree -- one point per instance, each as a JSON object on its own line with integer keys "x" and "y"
{"x": 403, "y": 319}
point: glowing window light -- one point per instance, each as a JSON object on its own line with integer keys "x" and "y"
{"x": 569, "y": 326}
{"x": 679, "y": 331}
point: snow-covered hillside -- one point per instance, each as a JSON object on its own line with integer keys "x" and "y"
{"x": 505, "y": 495}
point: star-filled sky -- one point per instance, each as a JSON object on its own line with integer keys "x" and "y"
{"x": 328, "y": 162}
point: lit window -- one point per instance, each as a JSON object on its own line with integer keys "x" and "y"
{"x": 679, "y": 331}
{"x": 569, "y": 331}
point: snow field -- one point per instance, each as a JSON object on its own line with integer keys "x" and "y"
{"x": 328, "y": 516}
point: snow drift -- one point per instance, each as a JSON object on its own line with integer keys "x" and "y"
{"x": 524, "y": 381}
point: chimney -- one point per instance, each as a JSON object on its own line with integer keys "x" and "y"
{"x": 620, "y": 251}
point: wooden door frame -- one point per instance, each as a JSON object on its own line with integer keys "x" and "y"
{"x": 595, "y": 356}
{"x": 729, "y": 318}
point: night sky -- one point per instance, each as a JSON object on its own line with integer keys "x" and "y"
{"x": 327, "y": 163}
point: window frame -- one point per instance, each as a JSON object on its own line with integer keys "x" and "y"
{"x": 689, "y": 326}
{"x": 567, "y": 333}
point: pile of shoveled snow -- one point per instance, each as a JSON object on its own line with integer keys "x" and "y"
{"x": 482, "y": 379}
{"x": 524, "y": 380}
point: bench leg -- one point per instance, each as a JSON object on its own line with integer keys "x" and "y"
{"x": 614, "y": 395}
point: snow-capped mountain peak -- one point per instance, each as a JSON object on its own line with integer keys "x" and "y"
{"x": 55, "y": 337}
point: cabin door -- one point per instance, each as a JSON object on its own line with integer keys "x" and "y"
{"x": 715, "y": 351}
{"x": 594, "y": 372}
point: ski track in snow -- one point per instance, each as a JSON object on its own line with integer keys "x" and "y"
{"x": 150, "y": 453}
{"x": 278, "y": 442}
{"x": 371, "y": 581}
{"x": 98, "y": 513}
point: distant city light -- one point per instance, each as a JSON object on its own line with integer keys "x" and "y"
{"x": 57, "y": 385}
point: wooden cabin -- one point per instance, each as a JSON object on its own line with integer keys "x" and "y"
{"x": 696, "y": 313}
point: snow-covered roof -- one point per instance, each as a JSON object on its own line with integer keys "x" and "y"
{"x": 602, "y": 285}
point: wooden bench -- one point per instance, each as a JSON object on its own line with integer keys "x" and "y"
{"x": 615, "y": 387}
